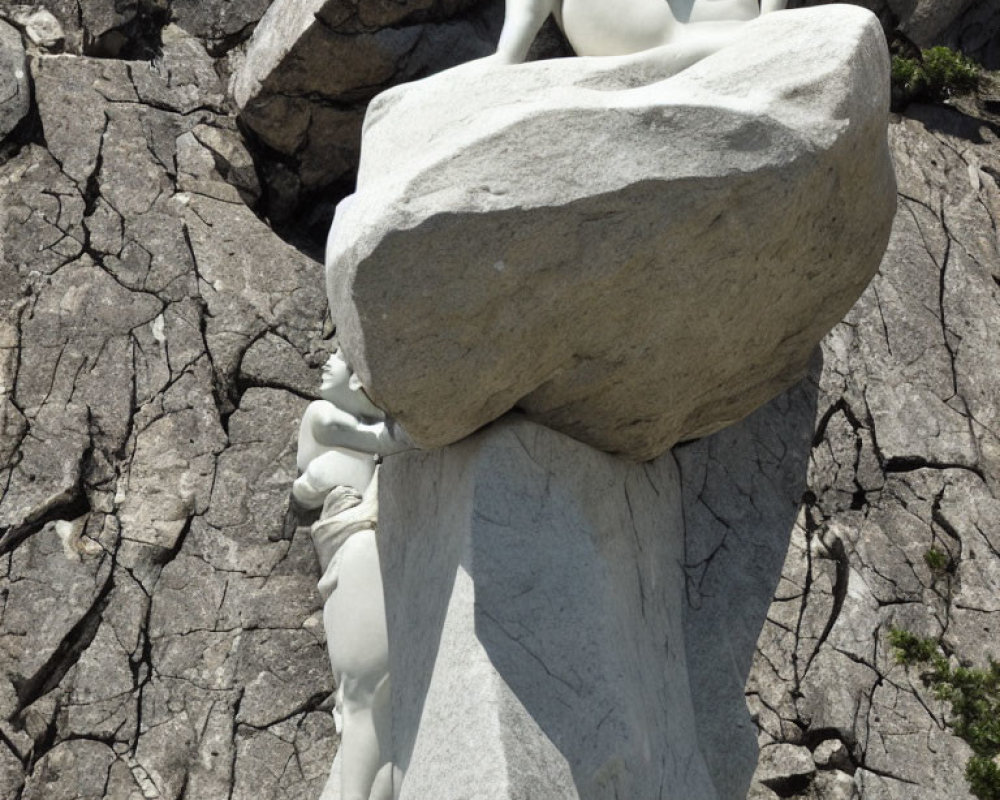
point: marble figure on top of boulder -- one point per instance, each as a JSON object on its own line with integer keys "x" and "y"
{"x": 680, "y": 32}
{"x": 340, "y": 438}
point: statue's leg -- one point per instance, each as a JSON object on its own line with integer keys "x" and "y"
{"x": 360, "y": 751}
{"x": 521, "y": 23}
{"x": 354, "y": 618}
{"x": 382, "y": 786}
{"x": 688, "y": 44}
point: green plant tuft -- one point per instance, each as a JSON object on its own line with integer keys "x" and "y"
{"x": 937, "y": 560}
{"x": 910, "y": 648}
{"x": 938, "y": 73}
{"x": 983, "y": 776}
{"x": 974, "y": 695}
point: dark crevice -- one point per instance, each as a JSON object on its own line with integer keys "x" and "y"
{"x": 27, "y": 131}
{"x": 243, "y": 383}
{"x": 165, "y": 555}
{"x": 232, "y": 741}
{"x": 137, "y": 39}
{"x": 824, "y": 421}
{"x": 788, "y": 785}
{"x": 6, "y": 741}
{"x": 70, "y": 505}
{"x": 45, "y": 740}
{"x": 68, "y": 652}
{"x": 839, "y": 555}
{"x": 913, "y": 463}
{"x": 313, "y": 703}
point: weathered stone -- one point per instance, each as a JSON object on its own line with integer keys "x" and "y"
{"x": 43, "y": 29}
{"x": 733, "y": 554}
{"x": 834, "y": 785}
{"x": 832, "y": 753}
{"x": 159, "y": 564}
{"x": 218, "y": 22}
{"x": 968, "y": 25}
{"x": 290, "y": 98}
{"x": 75, "y": 770}
{"x": 782, "y": 766}
{"x": 892, "y": 479}
{"x": 15, "y": 90}
{"x": 526, "y": 259}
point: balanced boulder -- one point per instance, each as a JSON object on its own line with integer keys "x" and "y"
{"x": 632, "y": 265}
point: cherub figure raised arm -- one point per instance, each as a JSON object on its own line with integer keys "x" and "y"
{"x": 340, "y": 438}
{"x": 684, "y": 30}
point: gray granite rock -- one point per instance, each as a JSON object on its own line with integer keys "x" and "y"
{"x": 15, "y": 90}
{"x": 782, "y": 766}
{"x": 905, "y": 460}
{"x": 971, "y": 26}
{"x": 299, "y": 107}
{"x": 150, "y": 592}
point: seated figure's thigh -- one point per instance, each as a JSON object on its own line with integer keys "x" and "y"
{"x": 354, "y": 616}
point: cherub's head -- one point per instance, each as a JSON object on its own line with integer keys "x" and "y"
{"x": 342, "y": 387}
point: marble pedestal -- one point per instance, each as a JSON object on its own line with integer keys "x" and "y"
{"x": 534, "y": 592}
{"x": 537, "y": 595}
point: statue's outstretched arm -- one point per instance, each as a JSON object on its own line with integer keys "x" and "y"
{"x": 333, "y": 427}
{"x": 521, "y": 23}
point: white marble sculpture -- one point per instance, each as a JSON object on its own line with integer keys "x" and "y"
{"x": 340, "y": 439}
{"x": 516, "y": 606}
{"x": 681, "y": 30}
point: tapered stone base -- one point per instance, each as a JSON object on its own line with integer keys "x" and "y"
{"x": 535, "y": 598}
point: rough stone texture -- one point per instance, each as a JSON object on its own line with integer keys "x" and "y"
{"x": 527, "y": 258}
{"x": 905, "y": 458}
{"x": 130, "y": 29}
{"x": 311, "y": 68}
{"x": 15, "y": 91}
{"x": 972, "y": 26}
{"x": 734, "y": 549}
{"x": 160, "y": 635}
{"x": 539, "y": 611}
{"x": 176, "y": 656}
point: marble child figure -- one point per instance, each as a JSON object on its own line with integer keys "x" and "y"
{"x": 340, "y": 437}
{"x": 681, "y": 31}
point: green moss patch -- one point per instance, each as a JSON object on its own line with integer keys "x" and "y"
{"x": 974, "y": 695}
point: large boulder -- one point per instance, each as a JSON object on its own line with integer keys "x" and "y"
{"x": 631, "y": 266}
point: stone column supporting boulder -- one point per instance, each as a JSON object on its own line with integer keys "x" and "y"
{"x": 535, "y": 618}
{"x": 538, "y": 595}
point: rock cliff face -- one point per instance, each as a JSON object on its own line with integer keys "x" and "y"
{"x": 159, "y": 627}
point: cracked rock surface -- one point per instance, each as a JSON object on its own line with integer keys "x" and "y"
{"x": 160, "y": 634}
{"x": 149, "y": 599}
{"x": 905, "y": 460}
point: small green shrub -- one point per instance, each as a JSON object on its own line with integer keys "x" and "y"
{"x": 937, "y": 560}
{"x": 948, "y": 71}
{"x": 910, "y": 648}
{"x": 983, "y": 776}
{"x": 937, "y": 74}
{"x": 974, "y": 695}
